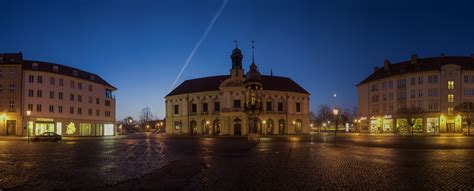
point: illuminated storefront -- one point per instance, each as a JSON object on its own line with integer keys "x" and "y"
{"x": 375, "y": 125}
{"x": 41, "y": 125}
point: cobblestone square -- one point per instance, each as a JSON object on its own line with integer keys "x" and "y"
{"x": 231, "y": 163}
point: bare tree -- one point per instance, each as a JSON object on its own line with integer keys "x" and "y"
{"x": 145, "y": 116}
{"x": 324, "y": 115}
{"x": 410, "y": 115}
{"x": 466, "y": 110}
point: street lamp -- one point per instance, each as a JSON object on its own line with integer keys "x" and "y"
{"x": 335, "y": 111}
{"x": 28, "y": 113}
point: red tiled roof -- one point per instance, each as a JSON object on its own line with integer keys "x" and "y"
{"x": 425, "y": 64}
{"x": 212, "y": 83}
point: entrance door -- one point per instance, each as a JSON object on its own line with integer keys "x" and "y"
{"x": 450, "y": 127}
{"x": 237, "y": 129}
{"x": 11, "y": 127}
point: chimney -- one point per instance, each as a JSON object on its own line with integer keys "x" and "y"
{"x": 414, "y": 59}
{"x": 376, "y": 68}
{"x": 386, "y": 64}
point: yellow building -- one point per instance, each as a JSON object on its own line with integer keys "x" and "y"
{"x": 435, "y": 86}
{"x": 217, "y": 104}
{"x": 58, "y": 98}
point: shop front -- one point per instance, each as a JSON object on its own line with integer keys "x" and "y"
{"x": 39, "y": 126}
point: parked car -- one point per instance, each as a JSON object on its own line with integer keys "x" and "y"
{"x": 48, "y": 136}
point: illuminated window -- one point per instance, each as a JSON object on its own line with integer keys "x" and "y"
{"x": 450, "y": 111}
{"x": 450, "y": 98}
{"x": 450, "y": 85}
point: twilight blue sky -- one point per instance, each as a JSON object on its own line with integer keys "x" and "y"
{"x": 140, "y": 45}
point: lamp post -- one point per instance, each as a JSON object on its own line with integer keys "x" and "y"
{"x": 335, "y": 111}
{"x": 28, "y": 113}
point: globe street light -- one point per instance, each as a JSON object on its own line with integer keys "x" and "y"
{"x": 335, "y": 111}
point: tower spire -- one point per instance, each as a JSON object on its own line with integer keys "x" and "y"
{"x": 253, "y": 51}
{"x": 236, "y": 43}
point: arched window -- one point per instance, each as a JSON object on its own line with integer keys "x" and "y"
{"x": 281, "y": 127}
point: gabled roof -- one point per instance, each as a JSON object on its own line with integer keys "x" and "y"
{"x": 212, "y": 83}
{"x": 425, "y": 64}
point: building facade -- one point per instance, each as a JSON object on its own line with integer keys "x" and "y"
{"x": 433, "y": 86}
{"x": 219, "y": 105}
{"x": 58, "y": 98}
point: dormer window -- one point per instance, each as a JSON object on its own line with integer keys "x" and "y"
{"x": 74, "y": 72}
{"x": 55, "y": 69}
{"x": 92, "y": 77}
{"x": 34, "y": 66}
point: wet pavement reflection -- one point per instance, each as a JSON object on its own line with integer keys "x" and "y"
{"x": 355, "y": 163}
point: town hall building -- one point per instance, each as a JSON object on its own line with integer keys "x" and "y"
{"x": 238, "y": 104}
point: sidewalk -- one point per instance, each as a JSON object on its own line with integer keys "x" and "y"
{"x": 20, "y": 138}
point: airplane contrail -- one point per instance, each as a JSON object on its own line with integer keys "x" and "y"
{"x": 203, "y": 37}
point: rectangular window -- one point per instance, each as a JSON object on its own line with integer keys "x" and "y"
{"x": 298, "y": 107}
{"x": 401, "y": 83}
{"x": 79, "y": 111}
{"x": 97, "y": 101}
{"x": 90, "y": 99}
{"x": 412, "y": 94}
{"x": 51, "y": 94}
{"x": 176, "y": 109}
{"x": 79, "y": 98}
{"x": 107, "y": 113}
{"x": 450, "y": 85}
{"x": 38, "y": 107}
{"x": 205, "y": 107}
{"x": 269, "y": 106}
{"x": 217, "y": 106}
{"x": 31, "y": 93}
{"x": 412, "y": 81}
{"x": 73, "y": 84}
{"x": 193, "y": 108}
{"x": 39, "y": 93}
{"x": 420, "y": 80}
{"x": 51, "y": 108}
{"x": 79, "y": 85}
{"x": 71, "y": 97}
{"x": 280, "y": 106}
{"x": 97, "y": 112}
{"x": 31, "y": 79}
{"x": 52, "y": 81}
{"x": 89, "y": 112}
{"x": 374, "y": 87}
{"x": 420, "y": 93}
{"x": 71, "y": 110}
{"x": 11, "y": 105}
{"x": 30, "y": 107}
{"x": 60, "y": 109}
{"x": 40, "y": 79}
{"x": 61, "y": 82}
{"x": 60, "y": 95}
{"x": 90, "y": 88}
{"x": 237, "y": 103}
{"x": 450, "y": 98}
{"x": 86, "y": 129}
{"x": 450, "y": 111}
{"x": 11, "y": 88}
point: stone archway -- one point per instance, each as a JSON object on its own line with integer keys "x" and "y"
{"x": 193, "y": 127}
{"x": 216, "y": 127}
{"x": 298, "y": 126}
{"x": 237, "y": 126}
{"x": 281, "y": 127}
{"x": 270, "y": 126}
